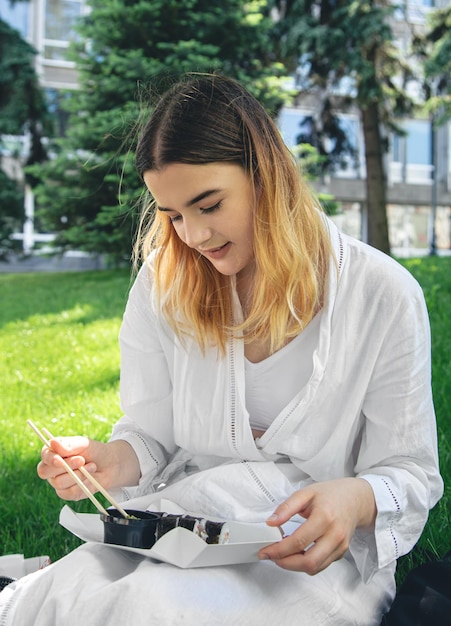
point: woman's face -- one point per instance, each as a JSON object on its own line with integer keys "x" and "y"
{"x": 211, "y": 209}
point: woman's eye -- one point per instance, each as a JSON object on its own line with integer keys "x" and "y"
{"x": 210, "y": 209}
{"x": 176, "y": 218}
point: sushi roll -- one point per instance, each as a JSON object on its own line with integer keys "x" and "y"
{"x": 210, "y": 532}
{"x": 166, "y": 523}
{"x": 190, "y": 523}
{"x": 215, "y": 532}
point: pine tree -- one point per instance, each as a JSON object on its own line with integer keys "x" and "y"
{"x": 434, "y": 50}
{"x": 126, "y": 49}
{"x": 22, "y": 110}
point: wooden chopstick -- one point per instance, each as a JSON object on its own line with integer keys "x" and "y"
{"x": 67, "y": 467}
{"x": 95, "y": 482}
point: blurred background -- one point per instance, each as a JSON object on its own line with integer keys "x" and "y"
{"x": 355, "y": 87}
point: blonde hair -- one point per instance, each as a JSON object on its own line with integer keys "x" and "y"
{"x": 208, "y": 119}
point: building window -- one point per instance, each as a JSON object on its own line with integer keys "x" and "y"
{"x": 290, "y": 121}
{"x": 59, "y": 116}
{"x": 60, "y": 19}
{"x": 417, "y": 10}
{"x": 418, "y": 143}
{"x": 412, "y": 154}
{"x": 296, "y": 126}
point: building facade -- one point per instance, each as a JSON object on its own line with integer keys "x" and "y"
{"x": 48, "y": 25}
{"x": 418, "y": 165}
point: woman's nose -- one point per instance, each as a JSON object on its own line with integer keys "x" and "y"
{"x": 195, "y": 234}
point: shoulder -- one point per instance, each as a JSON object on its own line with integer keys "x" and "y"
{"x": 377, "y": 295}
{"x": 377, "y": 273}
{"x": 142, "y": 292}
{"x": 144, "y": 279}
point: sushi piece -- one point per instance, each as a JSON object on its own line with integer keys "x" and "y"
{"x": 211, "y": 532}
{"x": 166, "y": 523}
{"x": 190, "y": 523}
{"x": 215, "y": 532}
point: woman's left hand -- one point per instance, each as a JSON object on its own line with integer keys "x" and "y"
{"x": 333, "y": 510}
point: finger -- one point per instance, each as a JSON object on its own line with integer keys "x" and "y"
{"x": 62, "y": 479}
{"x": 69, "y": 446}
{"x": 293, "y": 505}
{"x": 68, "y": 489}
{"x": 314, "y": 560}
{"x": 66, "y": 481}
{"x": 308, "y": 549}
{"x": 71, "y": 491}
{"x": 46, "y": 471}
{"x": 52, "y": 465}
{"x": 294, "y": 544}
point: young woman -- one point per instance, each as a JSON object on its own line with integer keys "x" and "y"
{"x": 272, "y": 369}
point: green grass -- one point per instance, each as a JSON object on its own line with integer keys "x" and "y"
{"x": 59, "y": 366}
{"x": 434, "y": 275}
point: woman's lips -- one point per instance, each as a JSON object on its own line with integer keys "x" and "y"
{"x": 217, "y": 253}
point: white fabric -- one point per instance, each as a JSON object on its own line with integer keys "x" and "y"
{"x": 17, "y": 566}
{"x": 125, "y": 589}
{"x": 273, "y": 382}
{"x": 365, "y": 411}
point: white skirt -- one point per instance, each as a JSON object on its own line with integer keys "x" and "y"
{"x": 98, "y": 585}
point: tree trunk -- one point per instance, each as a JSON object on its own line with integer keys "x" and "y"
{"x": 376, "y": 204}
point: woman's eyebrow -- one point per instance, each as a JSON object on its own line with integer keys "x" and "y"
{"x": 198, "y": 198}
{"x": 202, "y": 196}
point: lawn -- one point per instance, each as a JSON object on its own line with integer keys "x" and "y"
{"x": 434, "y": 275}
{"x": 59, "y": 367}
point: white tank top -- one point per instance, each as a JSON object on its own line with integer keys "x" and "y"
{"x": 272, "y": 383}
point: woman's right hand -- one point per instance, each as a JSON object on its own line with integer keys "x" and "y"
{"x": 112, "y": 464}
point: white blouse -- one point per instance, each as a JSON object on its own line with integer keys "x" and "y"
{"x": 366, "y": 409}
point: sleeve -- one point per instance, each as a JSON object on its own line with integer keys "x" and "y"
{"x": 145, "y": 386}
{"x": 398, "y": 453}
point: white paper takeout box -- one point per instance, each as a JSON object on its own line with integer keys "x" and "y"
{"x": 180, "y": 546}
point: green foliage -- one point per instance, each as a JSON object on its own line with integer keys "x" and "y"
{"x": 20, "y": 97}
{"x": 22, "y": 104}
{"x": 434, "y": 49}
{"x": 11, "y": 214}
{"x": 344, "y": 53}
{"x": 128, "y": 53}
{"x": 311, "y": 165}
{"x": 22, "y": 110}
{"x": 345, "y": 39}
